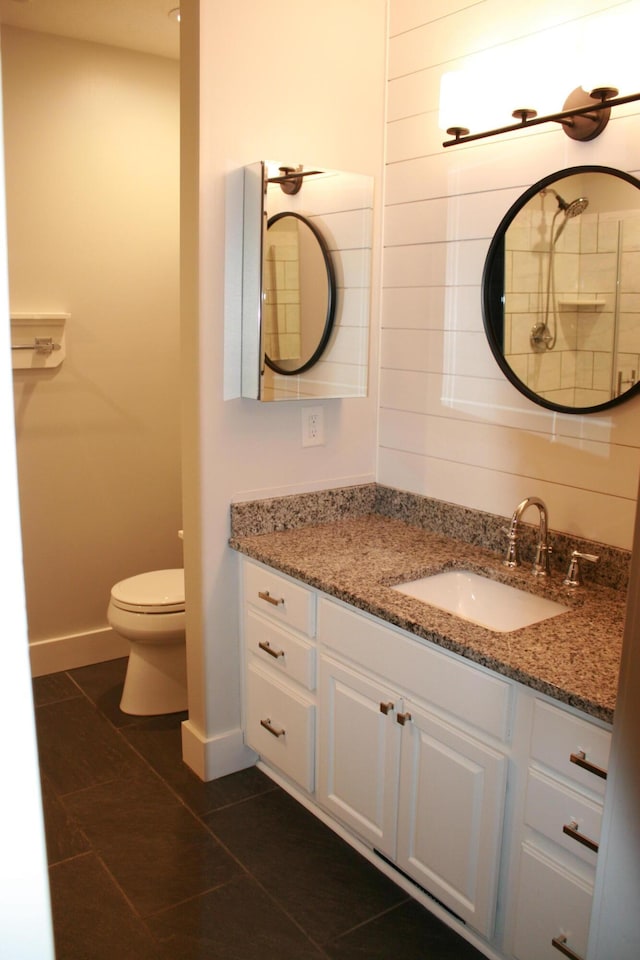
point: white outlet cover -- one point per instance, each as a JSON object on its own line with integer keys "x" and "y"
{"x": 312, "y": 427}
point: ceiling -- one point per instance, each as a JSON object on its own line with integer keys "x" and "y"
{"x": 142, "y": 25}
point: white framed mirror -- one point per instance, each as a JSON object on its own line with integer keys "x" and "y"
{"x": 306, "y": 281}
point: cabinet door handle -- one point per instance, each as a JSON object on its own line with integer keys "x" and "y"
{"x": 265, "y": 595}
{"x": 264, "y": 645}
{"x": 580, "y": 759}
{"x": 403, "y": 718}
{"x": 386, "y": 708}
{"x": 571, "y": 830}
{"x": 560, "y": 943}
{"x": 274, "y": 731}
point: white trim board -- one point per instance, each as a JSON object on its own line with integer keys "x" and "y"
{"x": 77, "y": 650}
{"x": 215, "y": 756}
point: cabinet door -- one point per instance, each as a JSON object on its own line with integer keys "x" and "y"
{"x": 358, "y": 753}
{"x": 451, "y": 805}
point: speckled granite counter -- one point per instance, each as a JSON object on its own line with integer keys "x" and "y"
{"x": 573, "y": 657}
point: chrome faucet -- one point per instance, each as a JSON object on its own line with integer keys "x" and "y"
{"x": 543, "y": 550}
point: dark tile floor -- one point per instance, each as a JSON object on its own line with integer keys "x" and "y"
{"x": 149, "y": 863}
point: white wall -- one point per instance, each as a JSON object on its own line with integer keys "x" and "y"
{"x": 451, "y": 426}
{"x": 92, "y": 152}
{"x": 274, "y": 82}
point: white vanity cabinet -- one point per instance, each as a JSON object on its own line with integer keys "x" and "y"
{"x": 423, "y": 787}
{"x": 480, "y": 790}
{"x": 561, "y": 831}
{"x": 279, "y": 619}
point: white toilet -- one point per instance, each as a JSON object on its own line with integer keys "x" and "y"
{"x": 149, "y": 611}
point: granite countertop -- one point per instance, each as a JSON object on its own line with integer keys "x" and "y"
{"x": 573, "y": 657}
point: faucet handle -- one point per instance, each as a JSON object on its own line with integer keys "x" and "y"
{"x": 512, "y": 556}
{"x": 541, "y": 566}
{"x": 574, "y": 573}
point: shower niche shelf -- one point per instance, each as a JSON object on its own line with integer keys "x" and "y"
{"x": 576, "y": 303}
{"x": 38, "y": 340}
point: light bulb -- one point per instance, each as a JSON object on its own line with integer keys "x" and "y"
{"x": 453, "y": 107}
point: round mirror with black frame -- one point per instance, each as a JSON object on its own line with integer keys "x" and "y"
{"x": 561, "y": 290}
{"x": 299, "y": 294}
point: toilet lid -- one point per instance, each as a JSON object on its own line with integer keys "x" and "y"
{"x": 160, "y": 591}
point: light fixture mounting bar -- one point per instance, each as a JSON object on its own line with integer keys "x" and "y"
{"x": 291, "y": 179}
{"x": 564, "y": 117}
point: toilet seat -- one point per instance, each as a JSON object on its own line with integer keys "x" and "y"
{"x": 157, "y": 592}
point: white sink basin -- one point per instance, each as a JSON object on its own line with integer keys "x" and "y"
{"x": 483, "y": 601}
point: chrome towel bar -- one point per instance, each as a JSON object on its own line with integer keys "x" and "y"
{"x": 42, "y": 345}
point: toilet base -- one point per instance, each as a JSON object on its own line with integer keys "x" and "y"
{"x": 156, "y": 680}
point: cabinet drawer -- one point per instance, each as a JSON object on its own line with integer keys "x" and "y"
{"x": 558, "y": 737}
{"x": 280, "y": 726}
{"x": 552, "y": 904}
{"x": 273, "y": 645}
{"x": 278, "y": 597}
{"x": 551, "y": 806}
{"x": 468, "y": 693}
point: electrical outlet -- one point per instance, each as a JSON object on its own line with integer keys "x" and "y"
{"x": 312, "y": 427}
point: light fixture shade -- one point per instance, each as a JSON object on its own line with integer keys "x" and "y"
{"x": 609, "y": 51}
{"x": 454, "y": 89}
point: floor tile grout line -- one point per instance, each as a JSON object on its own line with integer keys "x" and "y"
{"x": 196, "y": 896}
{"x": 52, "y": 703}
{"x": 234, "y": 803}
{"x": 95, "y": 703}
{"x": 372, "y": 919}
{"x": 176, "y": 793}
{"x": 169, "y": 786}
{"x": 93, "y": 786}
{"x": 75, "y": 683}
{"x": 266, "y": 891}
{"x": 75, "y": 856}
{"x": 246, "y": 875}
{"x": 132, "y": 907}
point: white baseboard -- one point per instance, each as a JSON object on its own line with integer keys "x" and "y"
{"x": 217, "y": 756}
{"x": 78, "y": 650}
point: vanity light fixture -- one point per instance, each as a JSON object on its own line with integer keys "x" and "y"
{"x": 583, "y": 117}
{"x": 174, "y": 14}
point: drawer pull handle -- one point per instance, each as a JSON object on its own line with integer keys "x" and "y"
{"x": 560, "y": 943}
{"x": 402, "y": 718}
{"x": 264, "y": 645}
{"x": 265, "y": 595}
{"x": 571, "y": 830}
{"x": 386, "y": 708}
{"x": 580, "y": 759}
{"x": 274, "y": 731}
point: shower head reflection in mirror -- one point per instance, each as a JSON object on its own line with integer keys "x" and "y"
{"x": 544, "y": 332}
